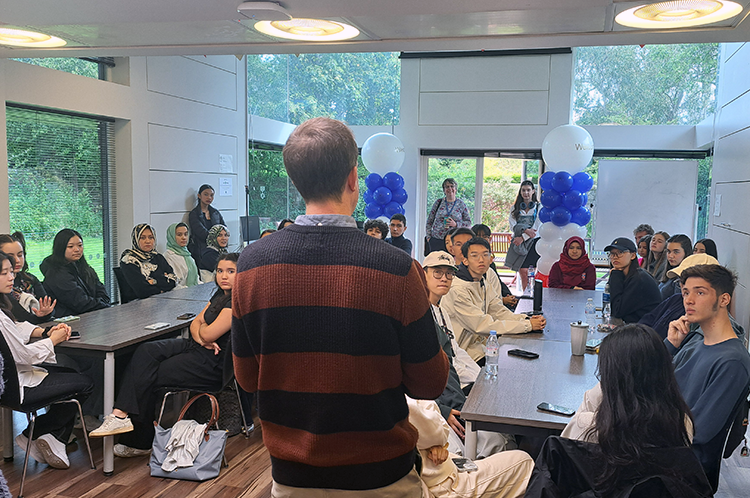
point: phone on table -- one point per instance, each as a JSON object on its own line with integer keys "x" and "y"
{"x": 465, "y": 465}
{"x": 186, "y": 316}
{"x": 74, "y": 334}
{"x": 560, "y": 410}
{"x": 522, "y": 353}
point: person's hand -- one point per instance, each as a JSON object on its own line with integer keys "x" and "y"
{"x": 517, "y": 241}
{"x": 455, "y": 424}
{"x": 678, "y": 330}
{"x": 46, "y": 306}
{"x": 577, "y": 288}
{"x": 530, "y": 232}
{"x": 59, "y": 333}
{"x": 510, "y": 300}
{"x": 213, "y": 346}
{"x": 538, "y": 322}
{"x": 450, "y": 222}
{"x": 151, "y": 281}
{"x": 437, "y": 454}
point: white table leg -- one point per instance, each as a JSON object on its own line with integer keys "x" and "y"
{"x": 470, "y": 441}
{"x": 7, "y": 434}
{"x": 109, "y": 402}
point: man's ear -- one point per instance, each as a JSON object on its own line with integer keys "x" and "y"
{"x": 352, "y": 181}
{"x": 724, "y": 300}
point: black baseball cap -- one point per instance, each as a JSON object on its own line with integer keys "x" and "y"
{"x": 622, "y": 244}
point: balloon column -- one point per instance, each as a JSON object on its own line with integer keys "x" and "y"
{"x": 383, "y": 155}
{"x": 567, "y": 149}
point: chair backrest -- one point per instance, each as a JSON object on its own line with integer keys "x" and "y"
{"x": 11, "y": 396}
{"x": 126, "y": 292}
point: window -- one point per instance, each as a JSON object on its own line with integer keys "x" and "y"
{"x": 59, "y": 170}
{"x": 89, "y": 67}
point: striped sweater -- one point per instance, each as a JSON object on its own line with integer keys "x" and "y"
{"x": 331, "y": 328}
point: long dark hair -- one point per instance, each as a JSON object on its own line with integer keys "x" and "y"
{"x": 517, "y": 205}
{"x": 710, "y": 246}
{"x": 647, "y": 240}
{"x": 57, "y": 259}
{"x": 224, "y": 297}
{"x": 687, "y": 246}
{"x": 13, "y": 238}
{"x": 5, "y": 304}
{"x": 641, "y": 404}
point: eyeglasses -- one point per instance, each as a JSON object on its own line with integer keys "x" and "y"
{"x": 479, "y": 256}
{"x": 438, "y": 274}
{"x": 617, "y": 254}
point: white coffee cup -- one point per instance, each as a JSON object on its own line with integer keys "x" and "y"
{"x": 578, "y": 335}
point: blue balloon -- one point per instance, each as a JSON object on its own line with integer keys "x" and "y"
{"x": 374, "y": 181}
{"x": 545, "y": 215}
{"x": 393, "y": 181}
{"x": 367, "y": 196}
{"x": 560, "y": 216}
{"x": 382, "y": 195}
{"x": 550, "y": 199}
{"x": 400, "y": 196}
{"x": 582, "y": 182}
{"x": 581, "y": 216}
{"x": 572, "y": 200}
{"x": 585, "y": 199}
{"x": 562, "y": 181}
{"x": 545, "y": 181}
{"x": 392, "y": 208}
{"x": 373, "y": 210}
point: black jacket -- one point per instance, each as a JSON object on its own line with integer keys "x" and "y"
{"x": 199, "y": 227}
{"x": 634, "y": 296}
{"x": 74, "y": 296}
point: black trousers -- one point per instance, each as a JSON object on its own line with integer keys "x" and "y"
{"x": 166, "y": 363}
{"x": 59, "y": 418}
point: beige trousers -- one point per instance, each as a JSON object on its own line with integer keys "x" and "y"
{"x": 504, "y": 474}
{"x": 409, "y": 486}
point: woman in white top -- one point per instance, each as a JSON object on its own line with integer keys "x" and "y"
{"x": 39, "y": 377}
{"x": 178, "y": 256}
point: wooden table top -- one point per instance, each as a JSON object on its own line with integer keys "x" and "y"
{"x": 556, "y": 377}
{"x": 561, "y": 307}
{"x": 202, "y": 293}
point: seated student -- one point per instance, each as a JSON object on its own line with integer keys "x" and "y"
{"x": 500, "y": 475}
{"x": 51, "y": 430}
{"x": 267, "y": 232}
{"x": 216, "y": 245}
{"x": 632, "y": 426}
{"x": 202, "y": 362}
{"x": 461, "y": 236}
{"x": 573, "y": 270}
{"x": 178, "y": 256}
{"x": 448, "y": 242}
{"x": 397, "y": 228}
{"x": 672, "y": 308}
{"x": 716, "y": 372}
{"x": 678, "y": 248}
{"x": 144, "y": 269}
{"x": 285, "y": 223}
{"x": 642, "y": 230}
{"x": 509, "y": 300}
{"x": 707, "y": 246}
{"x": 657, "y": 260}
{"x": 644, "y": 249}
{"x": 376, "y": 228}
{"x": 70, "y": 279}
{"x": 476, "y": 308}
{"x": 632, "y": 291}
{"x": 29, "y": 301}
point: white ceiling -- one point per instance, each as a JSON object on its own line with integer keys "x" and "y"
{"x": 210, "y": 27}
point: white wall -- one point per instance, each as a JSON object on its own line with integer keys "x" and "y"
{"x": 175, "y": 117}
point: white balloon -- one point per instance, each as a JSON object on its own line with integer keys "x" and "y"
{"x": 582, "y": 231}
{"x": 568, "y": 148}
{"x": 383, "y": 153}
{"x": 556, "y": 249}
{"x": 543, "y": 248}
{"x": 570, "y": 230}
{"x": 384, "y": 219}
{"x": 544, "y": 265}
{"x": 550, "y": 231}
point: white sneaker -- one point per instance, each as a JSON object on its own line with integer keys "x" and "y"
{"x": 34, "y": 452}
{"x": 123, "y": 451}
{"x": 111, "y": 426}
{"x": 53, "y": 451}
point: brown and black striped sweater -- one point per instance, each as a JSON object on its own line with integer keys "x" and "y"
{"x": 331, "y": 328}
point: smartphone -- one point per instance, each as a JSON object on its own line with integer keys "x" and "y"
{"x": 74, "y": 334}
{"x": 465, "y": 465}
{"x": 186, "y": 316}
{"x": 521, "y": 353}
{"x": 560, "y": 410}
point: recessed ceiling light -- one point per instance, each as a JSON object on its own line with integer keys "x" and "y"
{"x": 307, "y": 30}
{"x": 30, "y": 39}
{"x": 678, "y": 14}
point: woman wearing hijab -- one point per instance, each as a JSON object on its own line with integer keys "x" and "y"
{"x": 573, "y": 270}
{"x": 179, "y": 258}
{"x": 216, "y": 245}
{"x": 144, "y": 269}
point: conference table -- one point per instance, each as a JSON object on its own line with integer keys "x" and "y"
{"x": 111, "y": 332}
{"x": 509, "y": 403}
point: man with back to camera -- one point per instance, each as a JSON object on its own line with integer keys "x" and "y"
{"x": 476, "y": 308}
{"x": 717, "y": 373}
{"x": 331, "y": 328}
{"x": 397, "y": 239}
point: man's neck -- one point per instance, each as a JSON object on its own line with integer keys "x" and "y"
{"x": 434, "y": 298}
{"x": 717, "y": 328}
{"x": 476, "y": 276}
{"x": 328, "y": 207}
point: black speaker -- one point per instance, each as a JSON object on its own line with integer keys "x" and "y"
{"x": 538, "y": 289}
{"x": 250, "y": 228}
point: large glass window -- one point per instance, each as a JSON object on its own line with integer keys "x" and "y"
{"x": 645, "y": 85}
{"x": 360, "y": 89}
{"x": 91, "y": 68}
{"x": 58, "y": 173}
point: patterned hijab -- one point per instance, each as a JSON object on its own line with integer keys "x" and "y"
{"x": 142, "y": 259}
{"x": 212, "y": 238}
{"x": 192, "y": 276}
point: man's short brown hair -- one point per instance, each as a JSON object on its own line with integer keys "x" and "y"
{"x": 318, "y": 156}
{"x": 720, "y": 278}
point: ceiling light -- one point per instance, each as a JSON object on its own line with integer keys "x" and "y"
{"x": 307, "y": 30}
{"x": 30, "y": 39}
{"x": 678, "y": 14}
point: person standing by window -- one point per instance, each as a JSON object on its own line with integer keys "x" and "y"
{"x": 447, "y": 213}
{"x": 524, "y": 223}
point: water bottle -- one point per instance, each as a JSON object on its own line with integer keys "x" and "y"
{"x": 606, "y": 308}
{"x": 491, "y": 355}
{"x": 591, "y": 314}
{"x": 532, "y": 275}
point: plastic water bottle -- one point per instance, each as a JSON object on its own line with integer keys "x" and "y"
{"x": 532, "y": 275}
{"x": 606, "y": 308}
{"x": 491, "y": 355}
{"x": 591, "y": 314}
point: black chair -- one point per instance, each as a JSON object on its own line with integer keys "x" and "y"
{"x": 11, "y": 398}
{"x": 126, "y": 292}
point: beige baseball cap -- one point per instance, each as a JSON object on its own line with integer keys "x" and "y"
{"x": 692, "y": 260}
{"x": 439, "y": 258}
